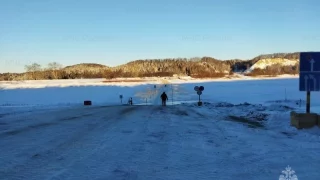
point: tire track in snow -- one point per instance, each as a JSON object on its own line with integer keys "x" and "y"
{"x": 243, "y": 149}
{"x": 17, "y": 149}
{"x": 154, "y": 142}
{"x": 113, "y": 144}
{"x": 97, "y": 146}
{"x": 134, "y": 154}
{"x": 49, "y": 161}
{"x": 215, "y": 131}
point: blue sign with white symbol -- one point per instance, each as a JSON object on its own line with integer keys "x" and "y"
{"x": 309, "y": 79}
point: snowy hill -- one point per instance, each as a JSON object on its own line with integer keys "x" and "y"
{"x": 264, "y": 63}
{"x": 200, "y": 67}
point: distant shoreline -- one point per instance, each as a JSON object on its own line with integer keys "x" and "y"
{"x": 26, "y": 84}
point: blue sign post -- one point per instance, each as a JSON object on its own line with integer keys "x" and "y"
{"x": 309, "y": 77}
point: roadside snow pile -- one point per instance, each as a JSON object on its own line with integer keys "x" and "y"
{"x": 245, "y": 107}
{"x": 256, "y": 116}
{"x": 285, "y": 105}
{"x": 288, "y": 102}
{"x": 279, "y": 107}
{"x": 252, "y": 115}
{"x": 272, "y": 117}
{"x": 221, "y": 104}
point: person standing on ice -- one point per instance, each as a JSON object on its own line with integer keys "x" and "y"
{"x": 130, "y": 101}
{"x": 164, "y": 98}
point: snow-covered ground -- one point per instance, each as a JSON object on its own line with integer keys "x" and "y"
{"x": 74, "y": 92}
{"x": 242, "y": 131}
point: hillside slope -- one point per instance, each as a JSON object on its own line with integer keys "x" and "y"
{"x": 200, "y": 67}
{"x": 92, "y": 67}
{"x": 267, "y": 63}
{"x": 156, "y": 67}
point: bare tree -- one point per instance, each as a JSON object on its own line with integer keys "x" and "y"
{"x": 54, "y": 66}
{"x": 33, "y": 69}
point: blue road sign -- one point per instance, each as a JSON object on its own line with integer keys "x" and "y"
{"x": 309, "y": 78}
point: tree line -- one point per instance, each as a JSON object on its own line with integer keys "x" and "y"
{"x": 197, "y": 67}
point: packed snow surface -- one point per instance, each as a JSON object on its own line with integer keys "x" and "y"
{"x": 242, "y": 131}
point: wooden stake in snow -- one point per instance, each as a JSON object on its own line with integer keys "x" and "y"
{"x": 285, "y": 94}
{"x": 172, "y": 93}
{"x": 121, "y": 98}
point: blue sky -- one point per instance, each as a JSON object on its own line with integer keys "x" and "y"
{"x": 118, "y": 31}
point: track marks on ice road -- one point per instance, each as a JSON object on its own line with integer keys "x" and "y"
{"x": 139, "y": 142}
{"x": 43, "y": 120}
{"x": 45, "y": 150}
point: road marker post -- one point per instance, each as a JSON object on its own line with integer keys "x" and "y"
{"x": 309, "y": 77}
{"x": 308, "y": 102}
{"x": 309, "y": 80}
{"x": 121, "y": 98}
{"x": 199, "y": 92}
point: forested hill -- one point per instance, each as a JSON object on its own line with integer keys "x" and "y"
{"x": 198, "y": 67}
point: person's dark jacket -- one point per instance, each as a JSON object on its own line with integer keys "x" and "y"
{"x": 164, "y": 96}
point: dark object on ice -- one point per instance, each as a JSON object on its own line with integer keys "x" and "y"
{"x": 87, "y": 103}
{"x": 199, "y": 103}
{"x": 304, "y": 120}
{"x": 223, "y": 104}
{"x": 164, "y": 98}
{"x": 130, "y": 101}
{"x": 244, "y": 104}
{"x": 245, "y": 120}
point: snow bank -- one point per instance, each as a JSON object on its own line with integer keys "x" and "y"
{"x": 124, "y": 82}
